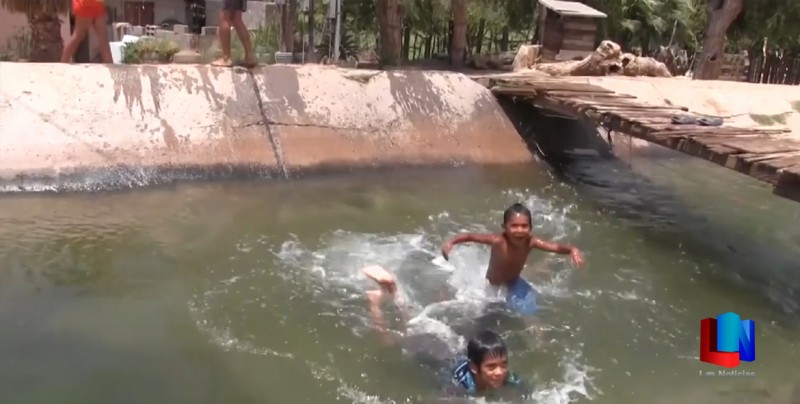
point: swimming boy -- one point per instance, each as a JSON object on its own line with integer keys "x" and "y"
{"x": 89, "y": 15}
{"x": 510, "y": 250}
{"x": 484, "y": 368}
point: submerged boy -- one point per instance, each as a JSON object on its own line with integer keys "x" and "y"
{"x": 482, "y": 371}
{"x": 510, "y": 250}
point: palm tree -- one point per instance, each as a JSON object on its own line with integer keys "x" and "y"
{"x": 45, "y": 26}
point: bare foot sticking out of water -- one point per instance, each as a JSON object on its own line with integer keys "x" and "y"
{"x": 375, "y": 297}
{"x": 382, "y": 277}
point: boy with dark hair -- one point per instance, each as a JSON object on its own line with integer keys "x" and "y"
{"x": 483, "y": 370}
{"x": 510, "y": 250}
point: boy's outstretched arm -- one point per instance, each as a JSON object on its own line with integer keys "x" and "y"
{"x": 487, "y": 239}
{"x": 574, "y": 253}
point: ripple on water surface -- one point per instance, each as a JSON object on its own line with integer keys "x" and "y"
{"x": 444, "y": 298}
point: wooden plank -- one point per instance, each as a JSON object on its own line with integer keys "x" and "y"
{"x": 763, "y": 145}
{"x": 718, "y": 130}
{"x": 583, "y": 36}
{"x": 752, "y": 151}
{"x": 788, "y": 184}
{"x": 753, "y": 157}
{"x": 788, "y": 160}
{"x": 580, "y": 23}
{"x": 577, "y": 95}
{"x": 577, "y": 44}
{"x": 621, "y": 105}
{"x": 550, "y": 87}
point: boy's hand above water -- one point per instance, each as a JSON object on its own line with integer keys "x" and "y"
{"x": 574, "y": 253}
{"x": 577, "y": 257}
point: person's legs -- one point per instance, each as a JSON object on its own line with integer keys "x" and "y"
{"x": 244, "y": 35}
{"x": 224, "y": 32}
{"x": 99, "y": 25}
{"x": 82, "y": 25}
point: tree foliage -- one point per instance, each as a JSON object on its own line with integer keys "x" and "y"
{"x": 36, "y": 6}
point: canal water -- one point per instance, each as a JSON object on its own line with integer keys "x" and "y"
{"x": 250, "y": 292}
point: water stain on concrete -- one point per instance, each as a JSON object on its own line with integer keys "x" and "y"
{"x": 128, "y": 83}
{"x": 169, "y": 136}
{"x": 416, "y": 97}
{"x": 151, "y": 72}
{"x": 281, "y": 93}
{"x": 207, "y": 87}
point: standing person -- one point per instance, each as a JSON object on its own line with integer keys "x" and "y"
{"x": 231, "y": 16}
{"x": 510, "y": 250}
{"x": 89, "y": 14}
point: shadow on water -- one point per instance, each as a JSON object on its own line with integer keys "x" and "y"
{"x": 720, "y": 217}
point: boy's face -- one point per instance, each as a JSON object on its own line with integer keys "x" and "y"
{"x": 518, "y": 227}
{"x": 492, "y": 373}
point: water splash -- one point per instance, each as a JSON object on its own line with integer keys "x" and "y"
{"x": 441, "y": 295}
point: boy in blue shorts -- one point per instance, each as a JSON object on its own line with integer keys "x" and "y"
{"x": 510, "y": 250}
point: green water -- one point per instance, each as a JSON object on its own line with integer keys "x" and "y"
{"x": 249, "y": 292}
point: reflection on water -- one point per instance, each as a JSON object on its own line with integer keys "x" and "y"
{"x": 251, "y": 292}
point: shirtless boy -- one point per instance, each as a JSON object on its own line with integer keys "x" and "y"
{"x": 510, "y": 250}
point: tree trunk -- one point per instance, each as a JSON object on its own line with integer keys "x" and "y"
{"x": 288, "y": 22}
{"x": 459, "y": 44}
{"x": 428, "y": 46}
{"x": 406, "y": 40}
{"x": 504, "y": 39}
{"x": 46, "y": 42}
{"x": 479, "y": 36}
{"x": 390, "y": 31}
{"x": 449, "y": 38}
{"x": 721, "y": 14}
{"x": 311, "y": 45}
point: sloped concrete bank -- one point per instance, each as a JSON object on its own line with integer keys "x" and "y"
{"x": 102, "y": 127}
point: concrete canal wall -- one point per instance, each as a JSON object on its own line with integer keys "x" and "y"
{"x": 128, "y": 125}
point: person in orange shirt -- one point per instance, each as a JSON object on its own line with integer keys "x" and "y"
{"x": 89, "y": 14}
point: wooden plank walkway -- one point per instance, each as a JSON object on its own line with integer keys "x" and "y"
{"x": 763, "y": 153}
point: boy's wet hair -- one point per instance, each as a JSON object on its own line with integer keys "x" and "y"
{"x": 516, "y": 209}
{"x": 485, "y": 344}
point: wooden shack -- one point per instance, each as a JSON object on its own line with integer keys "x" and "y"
{"x": 567, "y": 29}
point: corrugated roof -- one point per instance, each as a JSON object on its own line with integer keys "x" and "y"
{"x": 572, "y": 9}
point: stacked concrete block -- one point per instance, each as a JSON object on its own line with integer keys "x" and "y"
{"x": 164, "y": 34}
{"x": 119, "y": 30}
{"x": 184, "y": 41}
{"x": 181, "y": 29}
